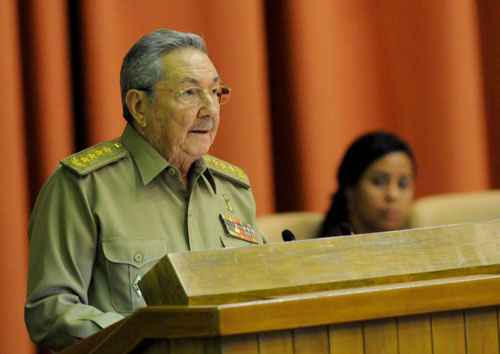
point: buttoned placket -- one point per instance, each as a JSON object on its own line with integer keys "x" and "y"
{"x": 188, "y": 196}
{"x": 191, "y": 222}
{"x": 171, "y": 180}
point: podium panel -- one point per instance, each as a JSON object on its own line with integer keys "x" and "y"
{"x": 260, "y": 272}
{"x": 433, "y": 290}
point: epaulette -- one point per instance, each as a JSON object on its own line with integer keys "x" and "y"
{"x": 227, "y": 170}
{"x": 95, "y": 157}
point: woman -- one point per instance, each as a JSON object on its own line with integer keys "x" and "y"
{"x": 375, "y": 187}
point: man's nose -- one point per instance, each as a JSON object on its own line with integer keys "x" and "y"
{"x": 208, "y": 99}
{"x": 210, "y": 104}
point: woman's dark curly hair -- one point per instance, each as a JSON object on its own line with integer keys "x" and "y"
{"x": 359, "y": 156}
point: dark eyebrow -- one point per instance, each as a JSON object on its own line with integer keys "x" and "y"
{"x": 190, "y": 80}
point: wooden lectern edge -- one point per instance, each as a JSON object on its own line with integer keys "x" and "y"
{"x": 86, "y": 346}
{"x": 294, "y": 311}
{"x": 149, "y": 323}
{"x": 156, "y": 323}
{"x": 351, "y": 305}
{"x": 303, "y": 289}
{"x": 209, "y": 277}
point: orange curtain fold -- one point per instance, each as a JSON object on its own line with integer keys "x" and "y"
{"x": 489, "y": 29}
{"x": 244, "y": 137}
{"x": 48, "y": 89}
{"x": 307, "y": 78}
{"x": 393, "y": 65}
{"x": 14, "y": 197}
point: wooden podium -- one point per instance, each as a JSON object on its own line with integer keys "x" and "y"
{"x": 431, "y": 290}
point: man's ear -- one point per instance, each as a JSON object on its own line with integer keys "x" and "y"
{"x": 137, "y": 104}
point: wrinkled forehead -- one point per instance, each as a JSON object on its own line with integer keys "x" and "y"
{"x": 189, "y": 65}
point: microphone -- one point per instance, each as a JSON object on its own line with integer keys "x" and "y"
{"x": 287, "y": 235}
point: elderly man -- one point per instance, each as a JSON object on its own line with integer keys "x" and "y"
{"x": 108, "y": 213}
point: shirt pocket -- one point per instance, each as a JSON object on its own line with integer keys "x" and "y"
{"x": 127, "y": 260}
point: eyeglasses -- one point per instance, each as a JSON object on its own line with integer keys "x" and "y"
{"x": 196, "y": 96}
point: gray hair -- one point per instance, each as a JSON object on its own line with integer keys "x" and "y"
{"x": 141, "y": 67}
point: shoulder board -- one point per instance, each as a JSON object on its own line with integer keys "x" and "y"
{"x": 95, "y": 157}
{"x": 227, "y": 170}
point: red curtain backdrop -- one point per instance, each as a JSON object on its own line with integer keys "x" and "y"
{"x": 307, "y": 78}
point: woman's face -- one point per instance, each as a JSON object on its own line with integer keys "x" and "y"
{"x": 382, "y": 198}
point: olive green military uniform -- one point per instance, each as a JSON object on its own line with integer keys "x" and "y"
{"x": 106, "y": 216}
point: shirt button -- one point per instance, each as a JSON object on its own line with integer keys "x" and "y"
{"x": 138, "y": 258}
{"x": 172, "y": 172}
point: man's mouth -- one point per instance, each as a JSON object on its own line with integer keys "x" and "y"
{"x": 205, "y": 127}
{"x": 199, "y": 131}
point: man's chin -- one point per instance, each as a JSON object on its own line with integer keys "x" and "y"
{"x": 198, "y": 151}
{"x": 200, "y": 146}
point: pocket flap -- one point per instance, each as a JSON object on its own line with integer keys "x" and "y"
{"x": 135, "y": 252}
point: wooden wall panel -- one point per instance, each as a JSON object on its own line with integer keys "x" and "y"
{"x": 240, "y": 344}
{"x": 276, "y": 342}
{"x": 448, "y": 333}
{"x": 381, "y": 337}
{"x": 152, "y": 346}
{"x": 481, "y": 331}
{"x": 414, "y": 335}
{"x": 311, "y": 340}
{"x": 347, "y": 339}
{"x": 186, "y": 346}
{"x": 473, "y": 331}
{"x": 212, "y": 345}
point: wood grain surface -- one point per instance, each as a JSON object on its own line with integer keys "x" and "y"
{"x": 259, "y": 272}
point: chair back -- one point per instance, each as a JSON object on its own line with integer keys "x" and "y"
{"x": 444, "y": 209}
{"x": 456, "y": 208}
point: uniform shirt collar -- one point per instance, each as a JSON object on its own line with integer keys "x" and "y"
{"x": 207, "y": 175}
{"x": 200, "y": 170}
{"x": 149, "y": 162}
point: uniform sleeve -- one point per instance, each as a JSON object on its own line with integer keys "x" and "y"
{"x": 62, "y": 248}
